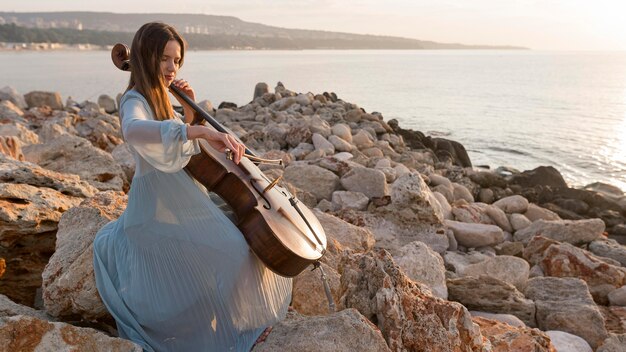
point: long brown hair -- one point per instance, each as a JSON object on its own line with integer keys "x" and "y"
{"x": 145, "y": 57}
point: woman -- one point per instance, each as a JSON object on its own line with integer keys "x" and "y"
{"x": 173, "y": 270}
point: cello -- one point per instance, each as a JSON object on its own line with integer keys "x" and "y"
{"x": 286, "y": 237}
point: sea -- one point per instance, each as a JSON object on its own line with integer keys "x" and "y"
{"x": 518, "y": 109}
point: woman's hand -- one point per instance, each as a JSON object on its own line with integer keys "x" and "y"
{"x": 218, "y": 140}
{"x": 184, "y": 87}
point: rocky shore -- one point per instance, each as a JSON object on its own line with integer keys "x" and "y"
{"x": 425, "y": 252}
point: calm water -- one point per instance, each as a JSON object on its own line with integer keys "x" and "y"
{"x": 511, "y": 108}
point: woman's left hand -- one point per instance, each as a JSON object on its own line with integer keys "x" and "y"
{"x": 184, "y": 87}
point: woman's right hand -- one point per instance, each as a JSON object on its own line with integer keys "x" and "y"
{"x": 218, "y": 140}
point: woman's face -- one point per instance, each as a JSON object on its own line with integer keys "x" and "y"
{"x": 170, "y": 61}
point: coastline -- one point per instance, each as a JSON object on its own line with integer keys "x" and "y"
{"x": 410, "y": 223}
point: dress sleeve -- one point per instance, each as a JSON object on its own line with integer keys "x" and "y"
{"x": 163, "y": 144}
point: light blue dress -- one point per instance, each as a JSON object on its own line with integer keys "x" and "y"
{"x": 173, "y": 270}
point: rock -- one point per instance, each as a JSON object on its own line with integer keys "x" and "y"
{"x": 103, "y": 131}
{"x": 302, "y": 150}
{"x": 297, "y": 135}
{"x": 503, "y": 318}
{"x": 370, "y": 182}
{"x": 124, "y": 158}
{"x": 9, "y": 308}
{"x": 571, "y": 231}
{"x": 75, "y": 155}
{"x": 410, "y": 193}
{"x": 475, "y": 235}
{"x": 486, "y": 195}
{"x": 9, "y": 93}
{"x": 11, "y": 113}
{"x": 614, "y": 343}
{"x": 13, "y": 171}
{"x": 499, "y": 218}
{"x": 542, "y": 175}
{"x": 18, "y": 130}
{"x": 461, "y": 192}
{"x": 12, "y": 147}
{"x": 69, "y": 286}
{"x": 357, "y": 239}
{"x": 475, "y": 213}
{"x": 28, "y": 221}
{"x": 492, "y": 295}
{"x": 339, "y": 144}
{"x": 518, "y": 222}
{"x": 107, "y": 103}
{"x": 618, "y": 297}
{"x": 488, "y": 179}
{"x": 423, "y": 265}
{"x": 535, "y": 212}
{"x": 565, "y": 342}
{"x": 407, "y": 315}
{"x": 509, "y": 248}
{"x": 507, "y": 338}
{"x": 350, "y": 200}
{"x": 446, "y": 209}
{"x": 436, "y": 180}
{"x": 609, "y": 248}
{"x": 565, "y": 304}
{"x": 363, "y": 140}
{"x": 260, "y": 89}
{"x": 342, "y": 131}
{"x": 565, "y": 260}
{"x": 321, "y": 182}
{"x": 509, "y": 269}
{"x": 321, "y": 143}
{"x": 347, "y": 330}
{"x": 512, "y": 204}
{"x": 459, "y": 261}
{"x": 22, "y": 333}
{"x": 40, "y": 99}
{"x": 308, "y": 295}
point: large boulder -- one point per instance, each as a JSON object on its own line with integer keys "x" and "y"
{"x": 609, "y": 248}
{"x": 69, "y": 286}
{"x": 370, "y": 182}
{"x": 512, "y": 270}
{"x": 542, "y": 175}
{"x": 422, "y": 264}
{"x": 103, "y": 131}
{"x": 24, "y": 333}
{"x": 571, "y": 231}
{"x": 37, "y": 99}
{"x": 76, "y": 155}
{"x": 9, "y": 93}
{"x": 29, "y": 218}
{"x": 14, "y": 171}
{"x": 506, "y": 338}
{"x": 566, "y": 342}
{"x": 308, "y": 296}
{"x": 311, "y": 178}
{"x": 565, "y": 260}
{"x": 9, "y": 308}
{"x": 488, "y": 294}
{"x": 347, "y": 330}
{"x": 565, "y": 304}
{"x": 408, "y": 316}
{"x": 512, "y": 204}
{"x": 475, "y": 235}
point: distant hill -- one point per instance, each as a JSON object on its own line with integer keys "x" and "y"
{"x": 213, "y": 32}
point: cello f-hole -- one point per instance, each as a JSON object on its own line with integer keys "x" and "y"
{"x": 267, "y": 204}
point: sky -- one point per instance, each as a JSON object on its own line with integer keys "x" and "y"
{"x": 536, "y": 24}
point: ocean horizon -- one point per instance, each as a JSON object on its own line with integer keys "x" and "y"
{"x": 519, "y": 109}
